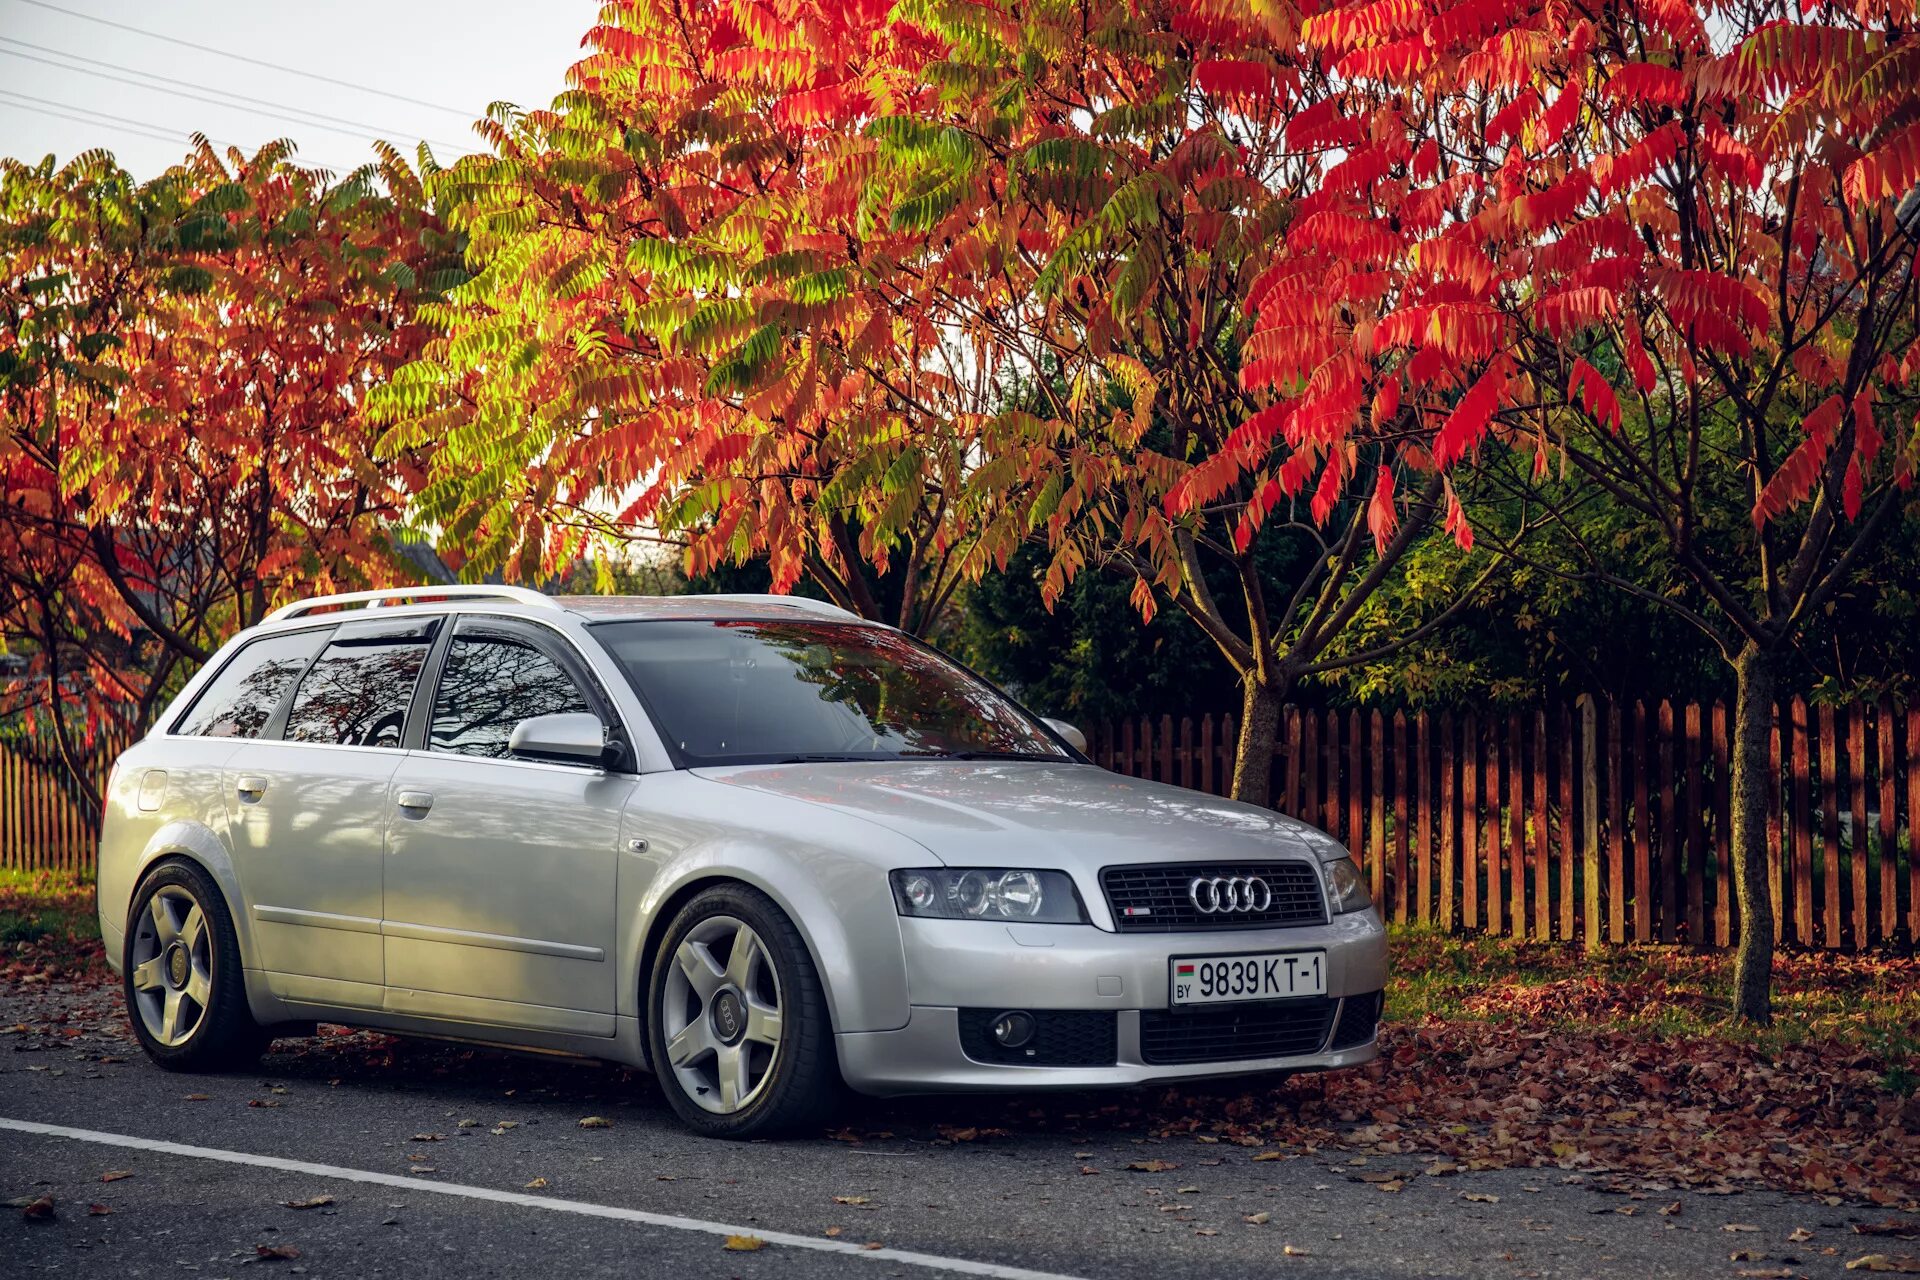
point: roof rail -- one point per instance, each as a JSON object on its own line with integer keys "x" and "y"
{"x": 807, "y": 603}
{"x": 390, "y": 596}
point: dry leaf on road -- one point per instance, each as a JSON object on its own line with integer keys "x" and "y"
{"x": 595, "y": 1122}
{"x": 744, "y": 1244}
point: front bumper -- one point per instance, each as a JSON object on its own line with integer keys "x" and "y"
{"x": 955, "y": 964}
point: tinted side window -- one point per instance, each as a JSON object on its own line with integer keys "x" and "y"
{"x": 490, "y": 684}
{"x": 357, "y": 694}
{"x": 242, "y": 698}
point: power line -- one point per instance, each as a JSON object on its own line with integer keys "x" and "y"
{"x": 241, "y": 57}
{"x": 72, "y": 115}
{"x": 292, "y": 115}
{"x": 144, "y": 128}
{"x": 371, "y": 130}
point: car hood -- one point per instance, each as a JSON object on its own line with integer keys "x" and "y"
{"x": 1016, "y": 813}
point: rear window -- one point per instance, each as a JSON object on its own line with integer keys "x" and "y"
{"x": 357, "y": 694}
{"x": 242, "y": 698}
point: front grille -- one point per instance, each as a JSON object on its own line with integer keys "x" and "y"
{"x": 1282, "y": 1029}
{"x": 1061, "y": 1038}
{"x": 1156, "y": 899}
{"x": 1359, "y": 1019}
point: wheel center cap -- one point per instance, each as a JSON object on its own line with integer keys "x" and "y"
{"x": 177, "y": 965}
{"x": 729, "y": 1016}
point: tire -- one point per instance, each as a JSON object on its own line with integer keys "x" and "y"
{"x": 181, "y": 973}
{"x": 790, "y": 1078}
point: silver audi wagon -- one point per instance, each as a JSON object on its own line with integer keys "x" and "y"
{"x": 754, "y": 844}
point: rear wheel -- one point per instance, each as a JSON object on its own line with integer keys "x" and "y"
{"x": 183, "y": 983}
{"x": 737, "y": 1022}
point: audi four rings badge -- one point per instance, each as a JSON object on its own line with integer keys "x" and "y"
{"x": 1223, "y": 894}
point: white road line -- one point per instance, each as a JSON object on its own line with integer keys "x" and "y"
{"x": 673, "y": 1222}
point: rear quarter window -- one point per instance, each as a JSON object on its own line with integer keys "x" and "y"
{"x": 243, "y": 696}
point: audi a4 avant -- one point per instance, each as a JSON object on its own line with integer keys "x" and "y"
{"x": 753, "y": 844}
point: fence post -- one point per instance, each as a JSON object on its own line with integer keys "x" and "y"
{"x": 1590, "y": 815}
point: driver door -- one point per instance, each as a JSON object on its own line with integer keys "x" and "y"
{"x": 500, "y": 903}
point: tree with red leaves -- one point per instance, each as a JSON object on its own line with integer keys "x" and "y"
{"x": 682, "y": 328}
{"x": 1132, "y": 206}
{"x": 183, "y": 364}
{"x": 1679, "y": 242}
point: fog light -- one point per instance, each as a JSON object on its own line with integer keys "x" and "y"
{"x": 1012, "y": 1030}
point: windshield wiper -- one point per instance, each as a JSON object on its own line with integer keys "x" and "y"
{"x": 823, "y": 757}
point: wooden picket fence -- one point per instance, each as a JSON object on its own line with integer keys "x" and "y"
{"x": 1597, "y": 822}
{"x": 45, "y": 821}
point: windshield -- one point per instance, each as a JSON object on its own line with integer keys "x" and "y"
{"x": 733, "y": 692}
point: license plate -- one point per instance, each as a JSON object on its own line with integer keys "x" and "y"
{"x": 1264, "y": 975}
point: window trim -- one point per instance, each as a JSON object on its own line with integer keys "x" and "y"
{"x": 551, "y": 643}
{"x": 270, "y": 730}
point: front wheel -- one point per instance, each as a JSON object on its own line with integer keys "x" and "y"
{"x": 183, "y": 983}
{"x": 737, "y": 1022}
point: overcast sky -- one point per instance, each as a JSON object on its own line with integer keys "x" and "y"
{"x": 457, "y": 57}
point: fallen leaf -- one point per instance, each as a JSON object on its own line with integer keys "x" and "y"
{"x": 425, "y": 1137}
{"x": 1671, "y": 1211}
{"x": 1479, "y": 1197}
{"x": 601, "y": 1122}
{"x": 1904, "y": 1228}
{"x": 98, "y": 1211}
{"x": 1206, "y": 1231}
{"x": 1799, "y": 1235}
{"x": 1293, "y": 1251}
{"x": 873, "y": 1244}
{"x": 1260, "y": 1219}
{"x": 264, "y": 1102}
{"x": 1186, "y": 1191}
{"x": 853, "y": 1199}
{"x": 1738, "y": 1226}
{"x": 744, "y": 1244}
{"x": 1899, "y": 1263}
{"x": 1765, "y": 1273}
{"x": 1087, "y": 1169}
{"x": 1152, "y": 1166}
{"x": 834, "y": 1231}
{"x": 195, "y": 1097}
{"x": 1269, "y": 1155}
{"x": 114, "y": 1175}
{"x": 1747, "y": 1255}
{"x": 313, "y": 1202}
{"x": 499, "y": 1125}
{"x": 40, "y": 1210}
{"x": 538, "y": 1184}
{"x": 272, "y": 1252}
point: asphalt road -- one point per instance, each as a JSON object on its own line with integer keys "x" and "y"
{"x": 428, "y": 1151}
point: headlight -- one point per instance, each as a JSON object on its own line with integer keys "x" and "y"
{"x": 988, "y": 893}
{"x": 1346, "y": 889}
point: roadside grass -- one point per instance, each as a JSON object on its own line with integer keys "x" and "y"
{"x": 1859, "y": 1003}
{"x": 48, "y": 926}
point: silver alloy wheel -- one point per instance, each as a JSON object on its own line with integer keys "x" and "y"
{"x": 172, "y": 965}
{"x": 720, "y": 1014}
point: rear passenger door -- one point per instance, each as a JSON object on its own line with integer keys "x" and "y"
{"x": 307, "y": 809}
{"x": 500, "y": 871}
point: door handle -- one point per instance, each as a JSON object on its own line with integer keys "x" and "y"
{"x": 415, "y": 801}
{"x": 251, "y": 786}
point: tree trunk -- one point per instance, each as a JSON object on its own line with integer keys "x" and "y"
{"x": 1751, "y": 751}
{"x": 1259, "y": 726}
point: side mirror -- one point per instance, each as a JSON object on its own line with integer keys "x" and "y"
{"x": 1075, "y": 739}
{"x": 575, "y": 737}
